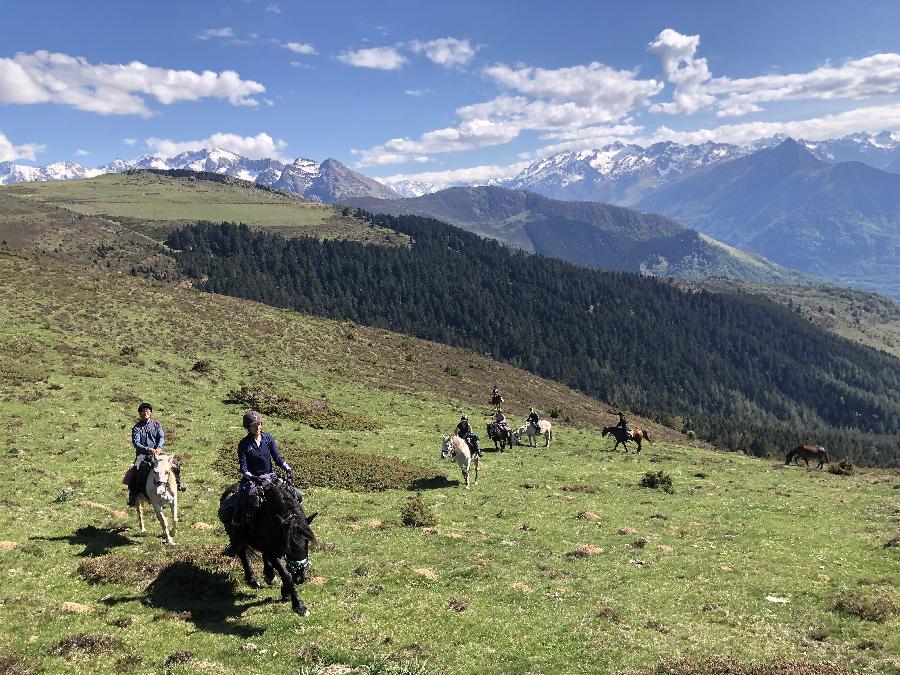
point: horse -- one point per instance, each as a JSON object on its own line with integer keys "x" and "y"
{"x": 278, "y": 529}
{"x": 160, "y": 489}
{"x": 501, "y": 435}
{"x": 622, "y": 436}
{"x": 806, "y": 453}
{"x": 544, "y": 428}
{"x": 456, "y": 447}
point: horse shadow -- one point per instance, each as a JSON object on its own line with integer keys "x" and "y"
{"x": 433, "y": 483}
{"x": 206, "y": 598}
{"x": 96, "y": 540}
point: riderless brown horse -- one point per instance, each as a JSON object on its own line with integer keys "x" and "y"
{"x": 621, "y": 436}
{"x": 806, "y": 453}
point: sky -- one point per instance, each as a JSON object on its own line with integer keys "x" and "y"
{"x": 435, "y": 91}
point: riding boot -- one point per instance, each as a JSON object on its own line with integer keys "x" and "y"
{"x": 133, "y": 490}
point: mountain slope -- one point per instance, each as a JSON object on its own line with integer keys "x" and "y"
{"x": 839, "y": 221}
{"x": 587, "y": 233}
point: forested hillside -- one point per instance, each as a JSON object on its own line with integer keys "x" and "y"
{"x": 730, "y": 365}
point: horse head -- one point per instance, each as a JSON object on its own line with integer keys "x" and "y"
{"x": 162, "y": 467}
{"x": 446, "y": 448}
{"x": 297, "y": 531}
{"x": 606, "y": 430}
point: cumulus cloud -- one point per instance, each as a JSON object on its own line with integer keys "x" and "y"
{"x": 448, "y": 52}
{"x": 130, "y": 141}
{"x": 567, "y": 98}
{"x": 113, "y": 89}
{"x": 253, "y": 147}
{"x": 10, "y": 152}
{"x": 684, "y": 70}
{"x": 221, "y": 33}
{"x": 587, "y": 138}
{"x": 417, "y": 93}
{"x": 273, "y": 9}
{"x": 300, "y": 47}
{"x": 380, "y": 58}
{"x": 871, "y": 118}
{"x": 82, "y": 153}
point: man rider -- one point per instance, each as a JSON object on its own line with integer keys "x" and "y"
{"x": 148, "y": 438}
{"x": 500, "y": 419}
{"x": 496, "y": 398}
{"x": 534, "y": 418}
{"x": 464, "y": 431}
{"x": 623, "y": 423}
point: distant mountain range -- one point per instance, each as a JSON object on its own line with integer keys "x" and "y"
{"x": 586, "y": 233}
{"x": 624, "y": 174}
{"x": 329, "y": 181}
{"x": 838, "y": 221}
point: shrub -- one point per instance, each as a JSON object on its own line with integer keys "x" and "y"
{"x": 451, "y": 370}
{"x": 316, "y": 413}
{"x": 88, "y": 371}
{"x": 416, "y": 513}
{"x": 555, "y": 413}
{"x": 202, "y": 366}
{"x": 842, "y": 468}
{"x": 657, "y": 481}
{"x": 878, "y": 610}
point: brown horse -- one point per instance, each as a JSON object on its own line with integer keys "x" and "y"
{"x": 806, "y": 453}
{"x": 621, "y": 436}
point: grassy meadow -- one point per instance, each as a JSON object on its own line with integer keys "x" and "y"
{"x": 557, "y": 561}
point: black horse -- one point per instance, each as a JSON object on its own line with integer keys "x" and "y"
{"x": 502, "y": 436}
{"x": 622, "y": 436}
{"x": 278, "y": 529}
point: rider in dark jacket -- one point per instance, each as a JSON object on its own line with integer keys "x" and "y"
{"x": 533, "y": 418}
{"x": 464, "y": 431}
{"x": 623, "y": 423}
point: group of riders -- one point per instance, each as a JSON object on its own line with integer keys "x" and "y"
{"x": 257, "y": 451}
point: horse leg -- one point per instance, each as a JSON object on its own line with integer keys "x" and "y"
{"x": 547, "y": 440}
{"x": 477, "y": 461}
{"x": 140, "y": 513}
{"x": 288, "y": 589}
{"x": 164, "y": 523}
{"x": 173, "y": 486}
{"x": 249, "y": 575}
{"x": 268, "y": 571}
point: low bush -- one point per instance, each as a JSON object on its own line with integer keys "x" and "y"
{"x": 657, "y": 481}
{"x": 842, "y": 468}
{"x": 203, "y": 367}
{"x": 416, "y": 513}
{"x": 878, "y": 609}
{"x": 316, "y": 413}
{"x": 85, "y": 644}
{"x": 719, "y": 666}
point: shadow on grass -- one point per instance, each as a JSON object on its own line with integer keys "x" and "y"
{"x": 434, "y": 483}
{"x": 208, "y": 599}
{"x": 96, "y": 540}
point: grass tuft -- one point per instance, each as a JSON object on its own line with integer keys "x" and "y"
{"x": 657, "y": 481}
{"x": 878, "y": 609}
{"x": 416, "y": 513}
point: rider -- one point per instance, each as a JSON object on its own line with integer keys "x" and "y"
{"x": 256, "y": 452}
{"x": 496, "y": 398}
{"x": 623, "y": 423}
{"x": 464, "y": 431}
{"x": 500, "y": 419}
{"x": 148, "y": 438}
{"x": 534, "y": 418}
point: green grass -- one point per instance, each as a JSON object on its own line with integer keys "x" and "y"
{"x": 557, "y": 561}
{"x": 154, "y": 203}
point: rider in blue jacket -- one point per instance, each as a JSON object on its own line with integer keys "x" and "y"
{"x": 148, "y": 438}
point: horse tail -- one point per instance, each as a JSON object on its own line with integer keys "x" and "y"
{"x": 647, "y": 436}
{"x": 825, "y": 455}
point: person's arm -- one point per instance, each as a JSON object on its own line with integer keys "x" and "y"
{"x": 136, "y": 441}
{"x": 242, "y": 462}
{"x": 162, "y": 436}
{"x": 276, "y": 455}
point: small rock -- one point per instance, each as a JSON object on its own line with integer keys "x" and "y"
{"x": 458, "y": 605}
{"x": 200, "y": 525}
{"x": 665, "y": 548}
{"x": 777, "y": 600}
{"x": 725, "y": 568}
{"x": 425, "y": 572}
{"x": 6, "y": 545}
{"x": 626, "y": 530}
{"x": 316, "y": 581}
{"x": 524, "y": 588}
{"x": 588, "y": 515}
{"x": 823, "y": 577}
{"x": 376, "y": 524}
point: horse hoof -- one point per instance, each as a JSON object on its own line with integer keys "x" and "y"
{"x": 302, "y": 610}
{"x": 253, "y": 583}
{"x": 269, "y": 579}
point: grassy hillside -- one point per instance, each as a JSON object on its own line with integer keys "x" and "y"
{"x": 557, "y": 561}
{"x": 155, "y": 203}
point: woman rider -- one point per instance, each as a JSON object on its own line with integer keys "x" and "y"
{"x": 464, "y": 431}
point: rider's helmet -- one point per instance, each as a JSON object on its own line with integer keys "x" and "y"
{"x": 464, "y": 418}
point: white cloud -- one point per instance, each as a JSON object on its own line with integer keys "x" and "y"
{"x": 300, "y": 47}
{"x": 684, "y": 70}
{"x": 876, "y": 75}
{"x": 10, "y": 152}
{"x": 475, "y": 174}
{"x": 448, "y": 52}
{"x": 130, "y": 141}
{"x": 254, "y": 147}
{"x": 418, "y": 93}
{"x": 273, "y": 9}
{"x": 872, "y": 119}
{"x": 221, "y": 33}
{"x": 380, "y": 58}
{"x": 113, "y": 89}
{"x": 587, "y": 138}
{"x": 82, "y": 153}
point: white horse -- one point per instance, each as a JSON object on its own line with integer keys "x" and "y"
{"x": 161, "y": 489}
{"x": 456, "y": 447}
{"x": 544, "y": 428}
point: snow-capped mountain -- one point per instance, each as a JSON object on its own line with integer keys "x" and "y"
{"x": 329, "y": 181}
{"x": 877, "y": 150}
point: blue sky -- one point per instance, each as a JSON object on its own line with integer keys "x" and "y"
{"x": 403, "y": 89}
